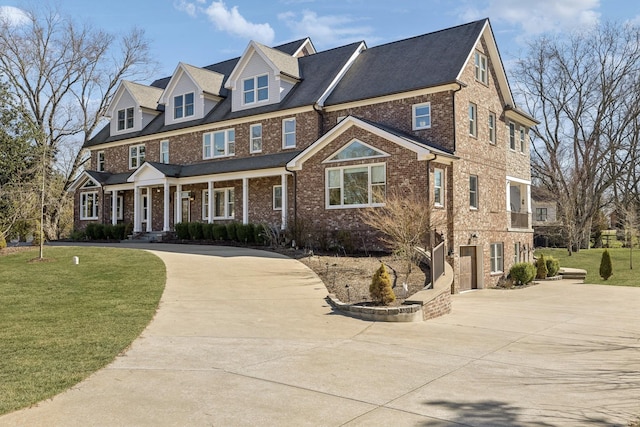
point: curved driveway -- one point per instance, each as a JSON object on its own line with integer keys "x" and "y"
{"x": 245, "y": 337}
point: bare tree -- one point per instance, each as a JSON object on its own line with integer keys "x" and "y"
{"x": 406, "y": 221}
{"x": 585, "y": 89}
{"x": 66, "y": 74}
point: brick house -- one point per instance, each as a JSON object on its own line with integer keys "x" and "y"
{"x": 284, "y": 134}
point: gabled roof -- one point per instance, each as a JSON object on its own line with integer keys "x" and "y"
{"x": 318, "y": 71}
{"x": 101, "y": 178}
{"x": 145, "y": 96}
{"x": 278, "y": 61}
{"x": 423, "y": 150}
{"x": 206, "y": 80}
{"x": 420, "y": 62}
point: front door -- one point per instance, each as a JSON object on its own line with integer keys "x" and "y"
{"x": 468, "y": 268}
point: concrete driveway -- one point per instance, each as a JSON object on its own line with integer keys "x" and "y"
{"x": 245, "y": 338}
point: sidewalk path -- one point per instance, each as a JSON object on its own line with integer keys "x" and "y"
{"x": 245, "y": 337}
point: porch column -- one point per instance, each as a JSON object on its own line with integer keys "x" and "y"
{"x": 149, "y": 210}
{"x": 529, "y": 199}
{"x": 210, "y": 204}
{"x": 508, "y": 196}
{"x": 137, "y": 223}
{"x": 285, "y": 203}
{"x": 178, "y": 203}
{"x": 114, "y": 207}
{"x": 245, "y": 200}
{"x": 167, "y": 196}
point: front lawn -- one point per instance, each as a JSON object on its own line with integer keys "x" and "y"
{"x": 61, "y": 322}
{"x": 590, "y": 261}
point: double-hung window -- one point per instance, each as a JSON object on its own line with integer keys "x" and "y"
{"x": 255, "y": 89}
{"x": 422, "y": 116}
{"x": 480, "y": 65}
{"x": 473, "y": 122}
{"x": 492, "y": 128}
{"x": 125, "y": 118}
{"x": 289, "y": 133}
{"x": 473, "y": 191}
{"x": 497, "y": 263}
{"x": 522, "y": 139}
{"x": 438, "y": 187}
{"x": 219, "y": 144}
{"x": 100, "y": 162}
{"x": 120, "y": 208}
{"x": 223, "y": 203}
{"x": 164, "y": 151}
{"x": 512, "y": 136}
{"x": 255, "y": 145}
{"x": 205, "y": 204}
{"x": 89, "y": 205}
{"x": 541, "y": 214}
{"x": 277, "y": 197}
{"x": 356, "y": 186}
{"x": 183, "y": 105}
{"x": 136, "y": 156}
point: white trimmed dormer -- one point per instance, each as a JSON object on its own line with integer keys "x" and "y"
{"x": 262, "y": 76}
{"x": 133, "y": 107}
{"x": 191, "y": 93}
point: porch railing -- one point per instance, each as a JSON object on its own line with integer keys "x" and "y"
{"x": 437, "y": 262}
{"x": 519, "y": 220}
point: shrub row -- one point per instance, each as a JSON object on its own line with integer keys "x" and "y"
{"x": 232, "y": 232}
{"x": 523, "y": 272}
{"x": 95, "y": 231}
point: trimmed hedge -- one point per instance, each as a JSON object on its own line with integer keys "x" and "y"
{"x": 522, "y": 273}
{"x": 553, "y": 266}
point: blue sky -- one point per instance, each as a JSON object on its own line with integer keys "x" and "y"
{"x": 202, "y": 32}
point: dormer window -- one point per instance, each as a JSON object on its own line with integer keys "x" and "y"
{"x": 125, "y": 118}
{"x": 183, "y": 105}
{"x": 255, "y": 89}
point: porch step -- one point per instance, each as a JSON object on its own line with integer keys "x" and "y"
{"x": 573, "y": 273}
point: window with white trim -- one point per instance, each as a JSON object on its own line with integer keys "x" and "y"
{"x": 89, "y": 205}
{"x": 255, "y": 144}
{"x": 422, "y": 116}
{"x": 223, "y": 203}
{"x": 497, "y": 260}
{"x": 164, "y": 151}
{"x": 125, "y": 118}
{"x": 473, "y": 119}
{"x": 356, "y": 150}
{"x": 438, "y": 187}
{"x": 289, "y": 133}
{"x": 219, "y": 144}
{"x": 492, "y": 128}
{"x": 255, "y": 89}
{"x": 480, "y": 65}
{"x": 100, "y": 162}
{"x": 183, "y": 105}
{"x": 522, "y": 139}
{"x": 473, "y": 191}
{"x": 516, "y": 252}
{"x": 277, "y": 197}
{"x": 512, "y": 136}
{"x": 136, "y": 156}
{"x": 120, "y": 208}
{"x": 356, "y": 186}
{"x": 205, "y": 204}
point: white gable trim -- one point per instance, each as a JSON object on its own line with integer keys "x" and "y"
{"x": 341, "y": 74}
{"x": 251, "y": 49}
{"x": 81, "y": 180}
{"x": 496, "y": 61}
{"x": 175, "y": 77}
{"x": 422, "y": 152}
{"x": 306, "y": 43}
{"x": 135, "y": 177}
{"x": 116, "y": 98}
{"x": 348, "y": 144}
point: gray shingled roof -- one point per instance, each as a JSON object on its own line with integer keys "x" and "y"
{"x": 419, "y": 62}
{"x": 147, "y": 96}
{"x": 287, "y": 64}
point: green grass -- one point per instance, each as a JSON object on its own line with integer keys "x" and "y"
{"x": 60, "y": 322}
{"x": 590, "y": 261}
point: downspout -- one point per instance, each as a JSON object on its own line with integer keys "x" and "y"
{"x": 453, "y": 101}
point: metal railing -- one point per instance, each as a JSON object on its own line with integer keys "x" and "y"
{"x": 437, "y": 262}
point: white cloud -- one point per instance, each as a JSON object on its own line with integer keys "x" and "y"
{"x": 227, "y": 19}
{"x": 230, "y": 21}
{"x": 327, "y": 31}
{"x": 540, "y": 16}
{"x": 13, "y": 15}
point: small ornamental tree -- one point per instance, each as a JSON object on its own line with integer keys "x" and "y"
{"x": 541, "y": 268}
{"x": 606, "y": 269}
{"x": 522, "y": 273}
{"x": 380, "y": 289}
